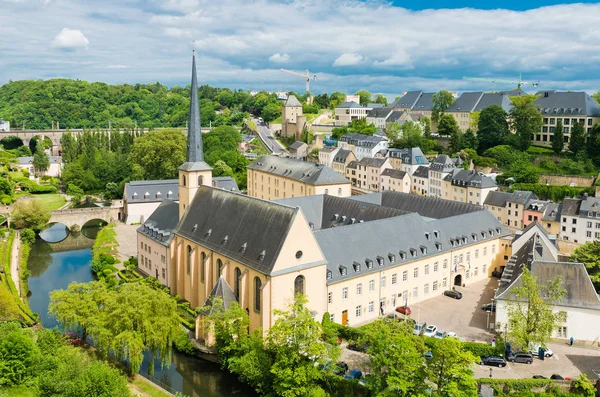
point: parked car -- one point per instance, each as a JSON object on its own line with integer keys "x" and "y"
{"x": 520, "y": 357}
{"x": 404, "y": 310}
{"x": 430, "y": 331}
{"x": 439, "y": 335}
{"x": 494, "y": 360}
{"x": 428, "y": 355}
{"x": 451, "y": 334}
{"x": 340, "y": 368}
{"x": 453, "y": 294}
{"x": 557, "y": 377}
{"x": 490, "y": 307}
{"x": 419, "y": 327}
{"x": 535, "y": 348}
{"x": 358, "y": 348}
{"x": 539, "y": 377}
{"x": 354, "y": 374}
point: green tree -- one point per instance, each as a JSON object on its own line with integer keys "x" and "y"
{"x": 75, "y": 192}
{"x": 426, "y": 123}
{"x": 112, "y": 191}
{"x": 525, "y": 119}
{"x": 450, "y": 369}
{"x": 577, "y": 140}
{"x": 379, "y": 98}
{"x": 18, "y": 355}
{"x": 440, "y": 102}
{"x": 558, "y": 138}
{"x": 447, "y": 125}
{"x": 30, "y": 214}
{"x": 9, "y": 310}
{"x": 583, "y": 386}
{"x": 69, "y": 147}
{"x": 593, "y": 143}
{"x": 295, "y": 342}
{"x": 158, "y": 154}
{"x": 41, "y": 161}
{"x": 222, "y": 169}
{"x": 271, "y": 112}
{"x": 365, "y": 96}
{"x": 589, "y": 255}
{"x": 27, "y": 236}
{"x": 456, "y": 141}
{"x": 530, "y": 311}
{"x": 362, "y": 127}
{"x": 492, "y": 128}
{"x": 470, "y": 140}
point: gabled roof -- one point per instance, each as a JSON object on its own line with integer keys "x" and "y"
{"x": 553, "y": 103}
{"x": 497, "y": 198}
{"x": 221, "y": 294}
{"x": 421, "y": 172}
{"x": 470, "y": 179}
{"x": 246, "y": 229}
{"x": 498, "y": 98}
{"x": 442, "y": 163}
{"x": 394, "y": 173}
{"x": 151, "y": 191}
{"x": 521, "y": 197}
{"x": 161, "y": 225}
{"x": 381, "y": 112}
{"x": 589, "y": 205}
{"x": 225, "y": 183}
{"x": 348, "y": 105}
{"x": 362, "y": 140}
{"x": 395, "y": 117}
{"x": 341, "y": 156}
{"x": 425, "y": 103}
{"x": 297, "y": 145}
{"x": 571, "y": 207}
{"x": 412, "y": 156}
{"x": 372, "y": 162}
{"x": 292, "y": 101}
{"x": 408, "y": 100}
{"x": 552, "y": 212}
{"x": 352, "y": 165}
{"x": 466, "y": 102}
{"x": 538, "y": 205}
{"x": 311, "y": 173}
{"x": 29, "y": 160}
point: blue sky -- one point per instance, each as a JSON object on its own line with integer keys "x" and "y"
{"x": 348, "y": 44}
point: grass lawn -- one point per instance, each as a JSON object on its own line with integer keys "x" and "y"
{"x": 19, "y": 391}
{"x": 539, "y": 150}
{"x": 276, "y": 121}
{"x": 50, "y": 202}
{"x": 146, "y": 387}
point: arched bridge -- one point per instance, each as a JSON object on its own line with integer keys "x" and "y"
{"x": 80, "y": 216}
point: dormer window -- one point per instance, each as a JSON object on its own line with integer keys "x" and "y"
{"x": 244, "y": 246}
{"x": 169, "y": 194}
{"x": 158, "y": 195}
{"x": 491, "y": 232}
{"x": 134, "y": 196}
{"x": 208, "y": 233}
{"x": 343, "y": 270}
{"x": 329, "y": 275}
{"x": 369, "y": 263}
{"x": 423, "y": 249}
{"x": 146, "y": 195}
{"x": 483, "y": 234}
{"x": 438, "y": 246}
{"x": 392, "y": 258}
{"x": 474, "y": 236}
{"x": 413, "y": 252}
{"x": 225, "y": 239}
{"x": 380, "y": 261}
{"x": 261, "y": 256}
{"x": 427, "y": 236}
{"x": 356, "y": 266}
{"x": 498, "y": 230}
{"x": 464, "y": 239}
{"x": 436, "y": 234}
{"x": 194, "y": 228}
{"x": 403, "y": 255}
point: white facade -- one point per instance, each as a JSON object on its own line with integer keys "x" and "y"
{"x": 326, "y": 156}
{"x": 4, "y": 125}
{"x": 370, "y": 151}
{"x": 139, "y": 212}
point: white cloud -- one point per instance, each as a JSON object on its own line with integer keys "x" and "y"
{"x": 348, "y": 60}
{"x": 177, "y": 32}
{"x": 279, "y": 58}
{"x": 70, "y": 39}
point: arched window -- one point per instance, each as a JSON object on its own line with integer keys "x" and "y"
{"x": 219, "y": 267}
{"x": 203, "y": 265}
{"x": 200, "y": 180}
{"x": 237, "y": 274}
{"x": 184, "y": 180}
{"x": 257, "y": 285}
{"x": 188, "y": 266}
{"x": 299, "y": 285}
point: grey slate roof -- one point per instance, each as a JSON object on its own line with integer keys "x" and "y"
{"x": 348, "y": 105}
{"x": 521, "y": 197}
{"x": 352, "y": 165}
{"x": 498, "y": 98}
{"x": 589, "y": 206}
{"x": 552, "y": 212}
{"x": 341, "y": 156}
{"x": 470, "y": 179}
{"x": 497, "y": 198}
{"x": 571, "y": 207}
{"x": 161, "y": 225}
{"x": 408, "y": 100}
{"x": 383, "y": 243}
{"x": 430, "y": 207}
{"x": 225, "y": 183}
{"x": 425, "y": 102}
{"x": 394, "y": 173}
{"x": 395, "y": 117}
{"x": 412, "y": 156}
{"x": 553, "y": 103}
{"x": 380, "y": 112}
{"x": 372, "y": 162}
{"x": 538, "y": 205}
{"x": 466, "y": 102}
{"x": 194, "y": 160}
{"x": 442, "y": 163}
{"x": 325, "y": 211}
{"x": 29, "y": 160}
{"x": 421, "y": 172}
{"x": 292, "y": 101}
{"x": 297, "y": 145}
{"x": 151, "y": 191}
{"x": 225, "y": 296}
{"x": 244, "y": 228}
{"x": 362, "y": 140}
{"x": 311, "y": 173}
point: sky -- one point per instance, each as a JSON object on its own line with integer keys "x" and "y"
{"x": 383, "y": 46}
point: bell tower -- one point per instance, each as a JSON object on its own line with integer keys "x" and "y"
{"x": 194, "y": 172}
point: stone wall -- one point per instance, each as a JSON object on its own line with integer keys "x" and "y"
{"x": 566, "y": 180}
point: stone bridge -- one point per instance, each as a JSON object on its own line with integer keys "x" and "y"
{"x": 80, "y": 216}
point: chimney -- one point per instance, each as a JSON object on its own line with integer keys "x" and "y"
{"x": 215, "y": 183}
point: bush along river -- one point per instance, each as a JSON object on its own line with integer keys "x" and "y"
{"x": 60, "y": 258}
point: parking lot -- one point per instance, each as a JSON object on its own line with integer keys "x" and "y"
{"x": 463, "y": 316}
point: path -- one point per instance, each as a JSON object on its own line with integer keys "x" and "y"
{"x": 127, "y": 239}
{"x": 14, "y": 262}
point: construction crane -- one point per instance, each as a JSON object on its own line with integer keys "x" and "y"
{"x": 519, "y": 83}
{"x": 305, "y": 76}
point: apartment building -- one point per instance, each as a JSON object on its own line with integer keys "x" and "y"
{"x": 467, "y": 186}
{"x": 567, "y": 107}
{"x": 420, "y": 181}
{"x": 395, "y": 156}
{"x": 580, "y": 220}
{"x": 509, "y": 208}
{"x": 415, "y": 101}
{"x": 349, "y": 111}
{"x": 366, "y": 173}
{"x": 439, "y": 168}
{"x": 535, "y": 211}
{"x": 273, "y": 177}
{"x": 399, "y": 117}
{"x": 379, "y": 116}
{"x": 341, "y": 160}
{"x": 551, "y": 218}
{"x": 327, "y": 154}
{"x": 363, "y": 145}
{"x": 470, "y": 102}
{"x": 410, "y": 159}
{"x": 395, "y": 180}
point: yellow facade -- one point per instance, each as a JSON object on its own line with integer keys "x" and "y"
{"x": 270, "y": 186}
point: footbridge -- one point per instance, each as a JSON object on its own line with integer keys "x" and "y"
{"x": 80, "y": 216}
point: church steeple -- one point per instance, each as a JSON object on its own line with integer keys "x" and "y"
{"x": 194, "y": 172}
{"x": 194, "y": 146}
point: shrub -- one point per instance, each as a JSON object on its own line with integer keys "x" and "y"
{"x": 6, "y": 200}
{"x": 27, "y": 236}
{"x": 108, "y": 259}
{"x": 41, "y": 189}
{"x": 25, "y": 172}
{"x": 582, "y": 385}
{"x": 183, "y": 344}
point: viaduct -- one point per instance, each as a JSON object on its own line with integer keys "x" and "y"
{"x": 80, "y": 216}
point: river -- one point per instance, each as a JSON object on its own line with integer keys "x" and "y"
{"x": 56, "y": 265}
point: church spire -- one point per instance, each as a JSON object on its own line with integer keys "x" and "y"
{"x": 195, "y": 153}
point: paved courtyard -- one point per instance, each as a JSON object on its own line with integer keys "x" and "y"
{"x": 463, "y": 316}
{"x": 127, "y": 239}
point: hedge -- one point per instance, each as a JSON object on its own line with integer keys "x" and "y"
{"x": 186, "y": 324}
{"x": 553, "y": 192}
{"x": 524, "y": 387}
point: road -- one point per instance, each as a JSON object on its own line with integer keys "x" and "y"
{"x": 266, "y": 135}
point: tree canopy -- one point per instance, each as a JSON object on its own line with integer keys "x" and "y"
{"x": 558, "y": 138}
{"x": 447, "y": 125}
{"x": 525, "y": 119}
{"x": 158, "y": 154}
{"x": 589, "y": 255}
{"x": 577, "y": 141}
{"x": 492, "y": 128}
{"x": 29, "y": 213}
{"x": 41, "y": 161}
{"x": 441, "y": 101}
